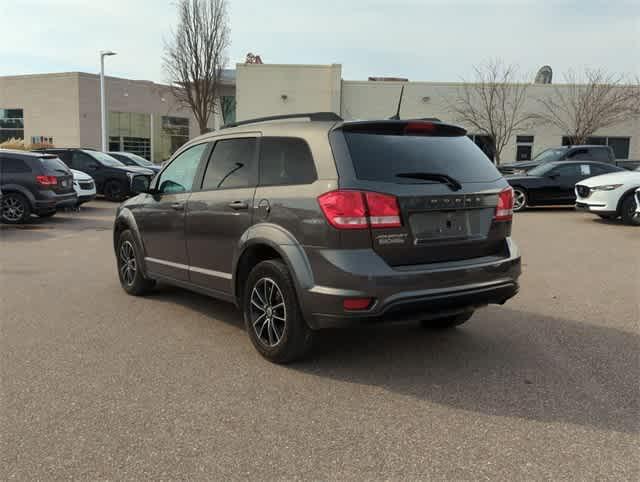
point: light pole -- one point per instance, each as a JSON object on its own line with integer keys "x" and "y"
{"x": 103, "y": 109}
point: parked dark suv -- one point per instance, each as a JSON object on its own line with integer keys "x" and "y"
{"x": 33, "y": 183}
{"x": 566, "y": 153}
{"x": 313, "y": 222}
{"x": 112, "y": 177}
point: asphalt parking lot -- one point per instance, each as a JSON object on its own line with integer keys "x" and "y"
{"x": 96, "y": 384}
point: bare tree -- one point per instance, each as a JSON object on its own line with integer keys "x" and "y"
{"x": 583, "y": 106}
{"x": 493, "y": 104}
{"x": 195, "y": 56}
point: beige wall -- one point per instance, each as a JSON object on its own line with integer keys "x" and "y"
{"x": 308, "y": 88}
{"x": 375, "y": 100}
{"x": 50, "y": 104}
{"x": 66, "y": 106}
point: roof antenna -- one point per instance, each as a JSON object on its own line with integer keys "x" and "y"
{"x": 397, "y": 116}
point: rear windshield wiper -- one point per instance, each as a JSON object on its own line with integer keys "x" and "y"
{"x": 432, "y": 176}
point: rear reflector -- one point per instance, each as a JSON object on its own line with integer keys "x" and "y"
{"x": 47, "y": 180}
{"x": 504, "y": 209}
{"x": 360, "y": 210}
{"x": 353, "y": 304}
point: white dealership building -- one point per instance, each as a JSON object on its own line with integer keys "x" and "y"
{"x": 62, "y": 109}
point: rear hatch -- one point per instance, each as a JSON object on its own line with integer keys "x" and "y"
{"x": 447, "y": 192}
{"x": 56, "y": 175}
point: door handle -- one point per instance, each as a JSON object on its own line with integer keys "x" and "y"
{"x": 178, "y": 206}
{"x": 238, "y": 205}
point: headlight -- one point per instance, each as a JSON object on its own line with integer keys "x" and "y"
{"x": 607, "y": 187}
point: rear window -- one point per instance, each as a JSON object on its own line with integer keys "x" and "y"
{"x": 54, "y": 165}
{"x": 382, "y": 157}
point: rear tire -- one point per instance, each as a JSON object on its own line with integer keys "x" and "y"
{"x": 114, "y": 191}
{"x": 15, "y": 208}
{"x": 272, "y": 315}
{"x": 447, "y": 321}
{"x": 128, "y": 262}
{"x": 519, "y": 199}
{"x": 628, "y": 209}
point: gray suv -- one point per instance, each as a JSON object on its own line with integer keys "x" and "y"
{"x": 307, "y": 222}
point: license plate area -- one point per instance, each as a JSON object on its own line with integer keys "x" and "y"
{"x": 450, "y": 225}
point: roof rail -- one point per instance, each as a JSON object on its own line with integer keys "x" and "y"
{"x": 312, "y": 116}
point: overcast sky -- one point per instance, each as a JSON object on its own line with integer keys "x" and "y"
{"x": 430, "y": 40}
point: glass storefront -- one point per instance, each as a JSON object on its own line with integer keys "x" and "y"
{"x": 131, "y": 132}
{"x": 11, "y": 124}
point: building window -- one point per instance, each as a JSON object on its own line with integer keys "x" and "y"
{"x": 11, "y": 124}
{"x": 524, "y": 147}
{"x": 620, "y": 145}
{"x": 228, "y": 104}
{"x": 176, "y": 131}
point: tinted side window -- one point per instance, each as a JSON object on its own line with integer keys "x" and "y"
{"x": 14, "y": 166}
{"x": 580, "y": 154}
{"x": 83, "y": 162}
{"x": 568, "y": 170}
{"x": 285, "y": 161}
{"x": 232, "y": 165}
{"x": 179, "y": 175}
{"x": 601, "y": 155}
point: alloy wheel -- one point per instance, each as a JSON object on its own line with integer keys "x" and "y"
{"x": 128, "y": 265}
{"x": 519, "y": 200}
{"x": 12, "y": 209}
{"x": 268, "y": 312}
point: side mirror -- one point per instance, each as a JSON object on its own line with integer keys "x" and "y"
{"x": 140, "y": 184}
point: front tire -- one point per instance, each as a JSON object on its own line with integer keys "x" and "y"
{"x": 519, "y": 199}
{"x": 128, "y": 256}
{"x": 114, "y": 191}
{"x": 15, "y": 208}
{"x": 628, "y": 210}
{"x": 272, "y": 316}
{"x": 447, "y": 322}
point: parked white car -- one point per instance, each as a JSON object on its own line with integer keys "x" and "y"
{"x": 610, "y": 195}
{"x": 84, "y": 186}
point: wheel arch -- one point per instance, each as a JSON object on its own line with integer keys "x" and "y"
{"x": 269, "y": 241}
{"x": 630, "y": 192}
{"x": 17, "y": 188}
{"x": 125, "y": 220}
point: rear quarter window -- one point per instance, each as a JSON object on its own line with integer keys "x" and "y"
{"x": 382, "y": 157}
{"x": 14, "y": 166}
{"x": 285, "y": 161}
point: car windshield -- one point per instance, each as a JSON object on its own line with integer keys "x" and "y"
{"x": 542, "y": 169}
{"x": 549, "y": 155}
{"x": 105, "y": 159}
{"x": 139, "y": 160}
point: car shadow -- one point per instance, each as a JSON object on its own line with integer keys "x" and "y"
{"x": 504, "y": 362}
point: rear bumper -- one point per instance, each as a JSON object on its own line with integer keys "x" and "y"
{"x": 66, "y": 200}
{"x": 403, "y": 294}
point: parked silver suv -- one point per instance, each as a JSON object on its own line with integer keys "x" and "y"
{"x": 308, "y": 221}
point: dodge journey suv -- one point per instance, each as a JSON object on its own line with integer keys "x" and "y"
{"x": 308, "y": 221}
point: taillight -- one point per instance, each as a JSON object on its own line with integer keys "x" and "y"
{"x": 383, "y": 210}
{"x": 360, "y": 210}
{"x": 504, "y": 209}
{"x": 47, "y": 180}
